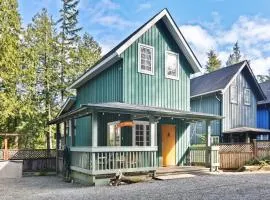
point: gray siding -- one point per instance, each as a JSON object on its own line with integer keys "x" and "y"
{"x": 237, "y": 115}
{"x": 210, "y": 104}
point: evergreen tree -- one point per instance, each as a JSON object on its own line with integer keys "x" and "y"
{"x": 10, "y": 28}
{"x": 235, "y": 57}
{"x": 213, "y": 62}
{"x": 84, "y": 56}
{"x": 69, "y": 36}
{"x": 41, "y": 72}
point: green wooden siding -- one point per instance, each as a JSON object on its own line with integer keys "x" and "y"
{"x": 83, "y": 131}
{"x": 182, "y": 139}
{"x": 156, "y": 90}
{"x": 210, "y": 104}
{"x": 106, "y": 87}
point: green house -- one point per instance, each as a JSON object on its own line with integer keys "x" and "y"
{"x": 132, "y": 109}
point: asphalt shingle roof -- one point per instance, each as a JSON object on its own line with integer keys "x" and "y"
{"x": 214, "y": 81}
{"x": 266, "y": 90}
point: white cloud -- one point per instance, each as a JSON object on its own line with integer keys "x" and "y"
{"x": 200, "y": 40}
{"x": 251, "y": 32}
{"x": 113, "y": 21}
{"x": 143, "y": 6}
{"x": 104, "y": 13}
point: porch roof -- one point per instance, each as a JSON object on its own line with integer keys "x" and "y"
{"x": 123, "y": 108}
{"x": 246, "y": 129}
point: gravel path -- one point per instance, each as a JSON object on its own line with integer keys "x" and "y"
{"x": 225, "y": 186}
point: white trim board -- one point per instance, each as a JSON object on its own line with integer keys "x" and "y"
{"x": 174, "y": 30}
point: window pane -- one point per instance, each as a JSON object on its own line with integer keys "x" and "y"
{"x": 172, "y": 64}
{"x": 247, "y": 96}
{"x": 233, "y": 94}
{"x": 146, "y": 58}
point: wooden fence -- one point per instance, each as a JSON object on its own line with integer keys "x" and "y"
{"x": 230, "y": 156}
{"x": 33, "y": 159}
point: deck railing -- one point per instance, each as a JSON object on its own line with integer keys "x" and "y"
{"x": 107, "y": 160}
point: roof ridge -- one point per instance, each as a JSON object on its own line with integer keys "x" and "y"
{"x": 222, "y": 68}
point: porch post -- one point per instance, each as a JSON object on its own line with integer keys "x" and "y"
{"x": 153, "y": 131}
{"x": 6, "y": 148}
{"x": 94, "y": 138}
{"x": 17, "y": 142}
{"x": 58, "y": 136}
{"x": 247, "y": 138}
{"x": 94, "y": 129}
{"x": 208, "y": 143}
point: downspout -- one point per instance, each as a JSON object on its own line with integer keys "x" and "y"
{"x": 220, "y": 112}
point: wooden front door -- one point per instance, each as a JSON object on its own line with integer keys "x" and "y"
{"x": 168, "y": 144}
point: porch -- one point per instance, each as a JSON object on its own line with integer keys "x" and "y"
{"x": 126, "y": 137}
{"x": 245, "y": 135}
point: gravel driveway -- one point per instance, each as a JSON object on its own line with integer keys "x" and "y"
{"x": 225, "y": 186}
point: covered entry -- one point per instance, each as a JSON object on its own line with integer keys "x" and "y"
{"x": 129, "y": 149}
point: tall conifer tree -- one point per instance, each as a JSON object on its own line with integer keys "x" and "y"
{"x": 10, "y": 29}
{"x": 235, "y": 57}
{"x": 69, "y": 36}
{"x": 213, "y": 62}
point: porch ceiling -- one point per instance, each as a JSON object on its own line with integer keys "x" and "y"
{"x": 246, "y": 129}
{"x": 123, "y": 108}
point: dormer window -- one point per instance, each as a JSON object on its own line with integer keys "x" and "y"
{"x": 146, "y": 59}
{"x": 247, "y": 96}
{"x": 172, "y": 65}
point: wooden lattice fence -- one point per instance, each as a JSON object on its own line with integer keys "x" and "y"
{"x": 33, "y": 159}
{"x": 232, "y": 156}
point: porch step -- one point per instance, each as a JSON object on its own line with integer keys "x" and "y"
{"x": 180, "y": 172}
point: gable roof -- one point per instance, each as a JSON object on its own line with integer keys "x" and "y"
{"x": 67, "y": 105}
{"x": 266, "y": 89}
{"x": 219, "y": 80}
{"x": 113, "y": 55}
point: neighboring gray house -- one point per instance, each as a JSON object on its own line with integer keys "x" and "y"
{"x": 232, "y": 92}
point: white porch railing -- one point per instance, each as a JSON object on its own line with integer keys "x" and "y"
{"x": 107, "y": 160}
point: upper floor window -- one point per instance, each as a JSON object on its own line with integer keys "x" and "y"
{"x": 247, "y": 96}
{"x": 146, "y": 59}
{"x": 233, "y": 94}
{"x": 172, "y": 65}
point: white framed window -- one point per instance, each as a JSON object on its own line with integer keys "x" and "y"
{"x": 262, "y": 137}
{"x": 141, "y": 134}
{"x": 146, "y": 59}
{"x": 247, "y": 97}
{"x": 234, "y": 94}
{"x": 214, "y": 139}
{"x": 172, "y": 65}
{"x": 113, "y": 134}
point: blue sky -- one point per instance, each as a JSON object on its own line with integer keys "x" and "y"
{"x": 206, "y": 24}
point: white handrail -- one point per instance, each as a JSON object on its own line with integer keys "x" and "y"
{"x": 114, "y": 149}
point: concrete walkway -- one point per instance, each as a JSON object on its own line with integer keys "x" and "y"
{"x": 175, "y": 172}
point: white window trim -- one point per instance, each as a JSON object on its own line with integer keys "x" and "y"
{"x": 166, "y": 68}
{"x": 247, "y": 104}
{"x": 144, "y": 133}
{"x": 231, "y": 100}
{"x": 119, "y": 129}
{"x": 152, "y": 61}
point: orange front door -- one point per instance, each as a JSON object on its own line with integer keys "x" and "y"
{"x": 168, "y": 144}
